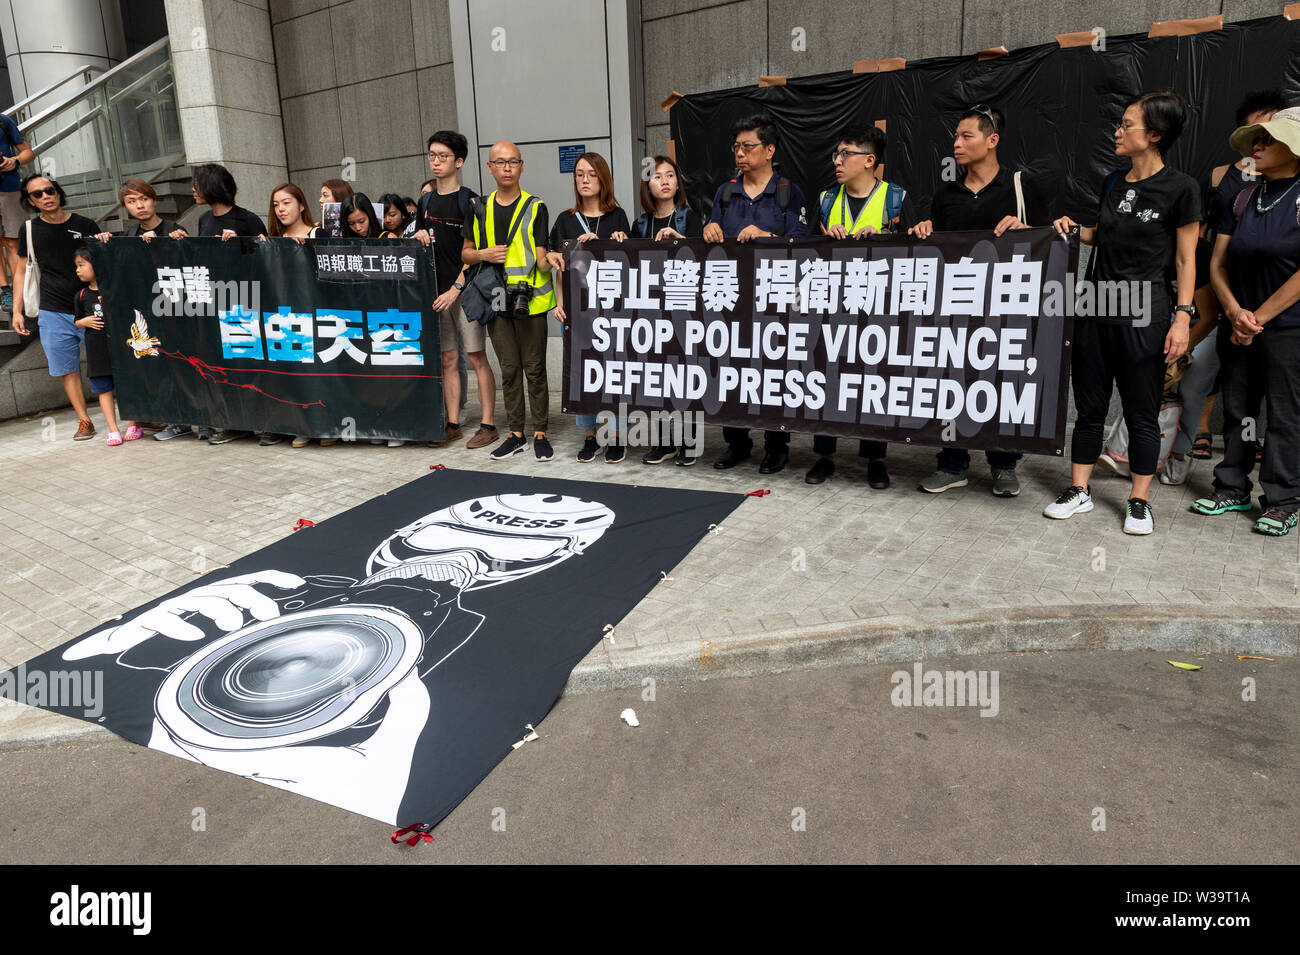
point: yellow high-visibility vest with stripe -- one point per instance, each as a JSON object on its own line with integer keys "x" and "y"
{"x": 872, "y": 214}
{"x": 521, "y": 255}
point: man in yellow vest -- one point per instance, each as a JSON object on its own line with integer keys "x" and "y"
{"x": 508, "y": 230}
{"x": 861, "y": 204}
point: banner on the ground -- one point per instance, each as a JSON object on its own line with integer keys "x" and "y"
{"x": 962, "y": 339}
{"x": 386, "y": 659}
{"x": 329, "y": 338}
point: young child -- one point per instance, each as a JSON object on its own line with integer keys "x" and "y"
{"x": 88, "y": 312}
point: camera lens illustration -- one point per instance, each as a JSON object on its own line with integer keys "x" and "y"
{"x": 296, "y": 678}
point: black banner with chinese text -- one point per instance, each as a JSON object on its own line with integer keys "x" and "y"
{"x": 329, "y": 338}
{"x": 962, "y": 339}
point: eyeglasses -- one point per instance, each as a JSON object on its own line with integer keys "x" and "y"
{"x": 843, "y": 154}
{"x": 1121, "y": 129}
{"x": 986, "y": 111}
{"x": 745, "y": 147}
{"x": 584, "y": 176}
{"x": 506, "y": 163}
{"x": 440, "y": 157}
{"x": 37, "y": 193}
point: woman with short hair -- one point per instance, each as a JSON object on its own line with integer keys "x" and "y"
{"x": 1146, "y": 233}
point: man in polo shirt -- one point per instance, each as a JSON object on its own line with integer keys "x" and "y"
{"x": 986, "y": 197}
{"x": 756, "y": 204}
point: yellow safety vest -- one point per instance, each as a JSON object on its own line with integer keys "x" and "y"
{"x": 872, "y": 214}
{"x": 521, "y": 256}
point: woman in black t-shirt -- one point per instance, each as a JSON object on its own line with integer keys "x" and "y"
{"x": 596, "y": 214}
{"x": 50, "y": 240}
{"x": 1145, "y": 238}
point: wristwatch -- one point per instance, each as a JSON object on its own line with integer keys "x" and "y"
{"x": 1189, "y": 309}
{"x": 458, "y": 285}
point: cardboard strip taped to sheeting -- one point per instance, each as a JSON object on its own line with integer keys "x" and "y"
{"x": 1186, "y": 27}
{"x": 771, "y": 81}
{"x": 880, "y": 66}
{"x": 672, "y": 98}
{"x": 1082, "y": 38}
{"x": 1291, "y": 11}
{"x": 670, "y": 149}
{"x": 993, "y": 53}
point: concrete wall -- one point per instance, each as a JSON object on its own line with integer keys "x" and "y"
{"x": 362, "y": 85}
{"x": 697, "y": 45}
{"x": 227, "y": 92}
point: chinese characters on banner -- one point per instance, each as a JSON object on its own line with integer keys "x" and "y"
{"x": 959, "y": 339}
{"x": 332, "y": 338}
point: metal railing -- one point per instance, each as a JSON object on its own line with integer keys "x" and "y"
{"x": 21, "y": 111}
{"x": 123, "y": 123}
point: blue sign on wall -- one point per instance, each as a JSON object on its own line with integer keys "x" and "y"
{"x": 569, "y": 156}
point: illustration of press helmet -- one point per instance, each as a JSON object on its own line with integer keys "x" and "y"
{"x": 490, "y": 540}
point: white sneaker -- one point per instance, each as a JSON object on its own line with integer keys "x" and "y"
{"x": 1111, "y": 464}
{"x": 1073, "y": 500}
{"x": 1139, "y": 518}
{"x": 1176, "y": 471}
{"x": 395, "y": 442}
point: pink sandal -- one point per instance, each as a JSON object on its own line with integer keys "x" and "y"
{"x": 133, "y": 433}
{"x": 114, "y": 439}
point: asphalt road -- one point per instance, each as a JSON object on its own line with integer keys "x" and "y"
{"x": 724, "y": 770}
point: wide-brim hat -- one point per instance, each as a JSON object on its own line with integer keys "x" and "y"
{"x": 1284, "y": 127}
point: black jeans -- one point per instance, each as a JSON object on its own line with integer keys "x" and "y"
{"x": 1268, "y": 368}
{"x": 1106, "y": 356}
{"x": 956, "y": 460}
{"x": 824, "y": 444}
{"x": 739, "y": 439}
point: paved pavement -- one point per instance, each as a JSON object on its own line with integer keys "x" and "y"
{"x": 1175, "y": 766}
{"x": 803, "y": 576}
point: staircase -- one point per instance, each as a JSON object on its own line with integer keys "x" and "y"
{"x": 120, "y": 125}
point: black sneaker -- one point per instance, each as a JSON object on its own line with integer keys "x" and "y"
{"x": 542, "y": 448}
{"x": 614, "y": 453}
{"x": 658, "y": 455}
{"x": 1221, "y": 501}
{"x": 588, "y": 450}
{"x": 266, "y": 439}
{"x": 1276, "y": 521}
{"x": 513, "y": 444}
{"x": 684, "y": 458}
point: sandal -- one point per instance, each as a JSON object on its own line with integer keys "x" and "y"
{"x": 133, "y": 433}
{"x": 1203, "y": 446}
{"x": 114, "y": 439}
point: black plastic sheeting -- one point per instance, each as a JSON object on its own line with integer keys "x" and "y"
{"x": 1061, "y": 108}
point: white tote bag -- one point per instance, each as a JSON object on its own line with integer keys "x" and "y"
{"x": 32, "y": 281}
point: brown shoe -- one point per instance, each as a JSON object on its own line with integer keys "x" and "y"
{"x": 486, "y": 434}
{"x": 85, "y": 430}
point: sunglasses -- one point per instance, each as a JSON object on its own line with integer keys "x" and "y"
{"x": 987, "y": 112}
{"x": 37, "y": 193}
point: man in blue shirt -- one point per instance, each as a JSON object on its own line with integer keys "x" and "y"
{"x": 14, "y": 152}
{"x": 756, "y": 204}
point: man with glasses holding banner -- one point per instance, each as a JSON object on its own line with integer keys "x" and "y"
{"x": 988, "y": 196}
{"x": 756, "y": 204}
{"x": 862, "y": 204}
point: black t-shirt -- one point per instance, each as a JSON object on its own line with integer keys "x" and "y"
{"x": 1137, "y": 235}
{"x": 694, "y": 225}
{"x": 1264, "y": 251}
{"x": 956, "y": 209}
{"x": 442, "y": 217}
{"x": 55, "y": 245}
{"x": 1221, "y": 198}
{"x": 89, "y": 302}
{"x": 501, "y": 222}
{"x": 164, "y": 228}
{"x": 569, "y": 226}
{"x": 238, "y": 220}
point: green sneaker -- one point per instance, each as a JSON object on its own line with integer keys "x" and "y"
{"x": 1005, "y": 483}
{"x": 941, "y": 481}
{"x": 1220, "y": 502}
{"x": 1275, "y": 522}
